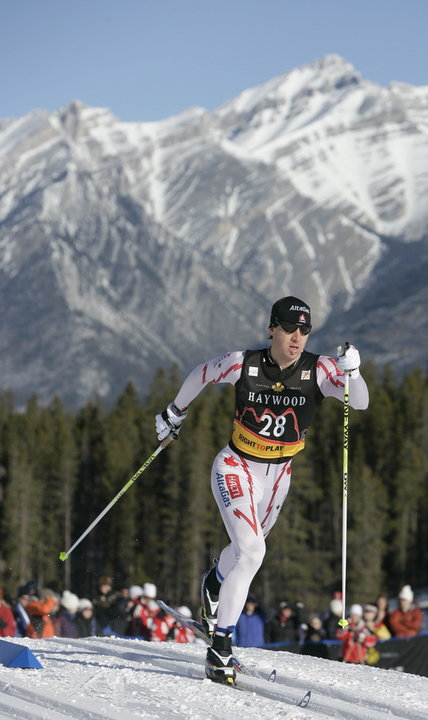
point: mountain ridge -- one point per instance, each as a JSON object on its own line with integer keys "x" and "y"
{"x": 124, "y": 246}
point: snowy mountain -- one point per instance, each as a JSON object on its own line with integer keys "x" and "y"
{"x": 114, "y": 679}
{"x": 125, "y": 246}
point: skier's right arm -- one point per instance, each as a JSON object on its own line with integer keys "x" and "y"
{"x": 224, "y": 369}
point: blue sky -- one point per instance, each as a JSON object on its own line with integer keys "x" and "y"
{"x": 147, "y": 59}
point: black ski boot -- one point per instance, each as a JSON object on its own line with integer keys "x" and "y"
{"x": 219, "y": 663}
{"x": 210, "y": 590}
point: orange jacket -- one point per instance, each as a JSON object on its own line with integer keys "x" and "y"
{"x": 39, "y": 614}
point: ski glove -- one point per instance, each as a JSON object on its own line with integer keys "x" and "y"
{"x": 169, "y": 421}
{"x": 348, "y": 360}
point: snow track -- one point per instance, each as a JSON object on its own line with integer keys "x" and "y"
{"x": 112, "y": 679}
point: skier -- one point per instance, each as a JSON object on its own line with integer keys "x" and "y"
{"x": 277, "y": 390}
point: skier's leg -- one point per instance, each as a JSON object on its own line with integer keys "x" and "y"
{"x": 247, "y": 519}
{"x": 237, "y": 490}
{"x": 276, "y": 487}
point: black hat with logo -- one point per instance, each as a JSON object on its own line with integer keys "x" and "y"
{"x": 290, "y": 311}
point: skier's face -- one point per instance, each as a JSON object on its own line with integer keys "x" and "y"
{"x": 287, "y": 347}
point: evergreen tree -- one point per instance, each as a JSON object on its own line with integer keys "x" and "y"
{"x": 59, "y": 470}
{"x": 22, "y": 517}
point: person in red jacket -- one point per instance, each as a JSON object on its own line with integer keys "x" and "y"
{"x": 148, "y": 620}
{"x": 7, "y": 621}
{"x": 356, "y": 638}
{"x": 180, "y": 633}
{"x": 406, "y": 621}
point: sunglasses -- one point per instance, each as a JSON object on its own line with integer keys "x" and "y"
{"x": 289, "y": 329}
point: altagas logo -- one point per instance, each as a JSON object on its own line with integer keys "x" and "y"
{"x": 300, "y": 308}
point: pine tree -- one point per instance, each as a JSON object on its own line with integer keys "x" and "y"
{"x": 22, "y": 519}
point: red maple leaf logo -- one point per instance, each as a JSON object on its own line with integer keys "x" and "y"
{"x": 231, "y": 461}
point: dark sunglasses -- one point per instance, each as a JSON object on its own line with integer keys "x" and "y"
{"x": 289, "y": 329}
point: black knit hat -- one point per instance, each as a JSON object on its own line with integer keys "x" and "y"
{"x": 290, "y": 311}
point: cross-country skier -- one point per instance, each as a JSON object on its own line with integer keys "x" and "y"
{"x": 278, "y": 390}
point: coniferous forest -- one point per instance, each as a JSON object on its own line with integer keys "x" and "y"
{"x": 59, "y": 469}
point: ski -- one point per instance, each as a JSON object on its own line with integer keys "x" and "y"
{"x": 198, "y": 629}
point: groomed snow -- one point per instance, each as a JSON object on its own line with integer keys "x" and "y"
{"x": 116, "y": 679}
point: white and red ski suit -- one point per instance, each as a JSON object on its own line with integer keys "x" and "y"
{"x": 251, "y": 475}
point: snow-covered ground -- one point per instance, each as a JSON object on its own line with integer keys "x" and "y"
{"x": 116, "y": 679}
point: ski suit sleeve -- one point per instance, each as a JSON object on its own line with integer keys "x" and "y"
{"x": 224, "y": 369}
{"x": 331, "y": 383}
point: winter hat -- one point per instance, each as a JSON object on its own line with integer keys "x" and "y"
{"x": 149, "y": 590}
{"x": 105, "y": 580}
{"x": 336, "y": 607}
{"x": 69, "y": 601}
{"x": 135, "y": 591}
{"x": 356, "y": 610}
{"x": 370, "y": 607}
{"x": 184, "y": 610}
{"x": 406, "y": 593}
{"x": 84, "y": 604}
{"x": 290, "y": 310}
{"x": 30, "y": 588}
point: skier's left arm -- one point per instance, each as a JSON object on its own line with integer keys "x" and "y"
{"x": 330, "y": 377}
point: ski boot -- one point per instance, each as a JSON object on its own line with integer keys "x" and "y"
{"x": 219, "y": 662}
{"x": 210, "y": 589}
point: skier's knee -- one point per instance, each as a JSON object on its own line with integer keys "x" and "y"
{"x": 253, "y": 557}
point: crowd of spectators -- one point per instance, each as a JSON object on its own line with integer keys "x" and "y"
{"x": 134, "y": 612}
{"x": 365, "y": 624}
{"x": 128, "y": 612}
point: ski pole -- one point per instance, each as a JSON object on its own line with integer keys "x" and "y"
{"x": 65, "y": 555}
{"x": 343, "y": 621}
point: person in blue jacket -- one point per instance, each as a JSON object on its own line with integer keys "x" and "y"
{"x": 250, "y": 628}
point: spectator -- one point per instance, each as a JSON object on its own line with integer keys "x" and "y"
{"x": 282, "y": 627}
{"x": 406, "y": 621}
{"x": 375, "y": 626}
{"x": 315, "y": 632}
{"x": 103, "y": 604}
{"x": 119, "y": 612}
{"x": 180, "y": 633}
{"x": 300, "y": 620}
{"x": 382, "y": 608}
{"x": 356, "y": 638}
{"x": 85, "y": 619}
{"x": 134, "y": 596}
{"x": 24, "y": 628}
{"x": 250, "y": 628}
{"x": 331, "y": 623}
{"x": 65, "y": 623}
{"x": 159, "y": 625}
{"x": 41, "y": 611}
{"x": 155, "y": 623}
{"x": 142, "y": 621}
{"x": 135, "y": 592}
{"x": 7, "y": 620}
